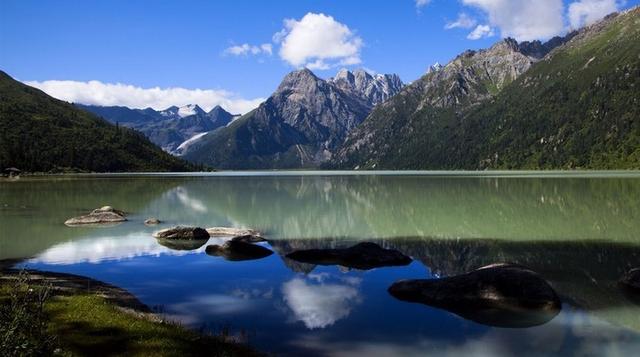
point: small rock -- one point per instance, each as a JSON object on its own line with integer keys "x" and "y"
{"x": 152, "y": 221}
{"x": 99, "y": 216}
{"x": 248, "y": 239}
{"x": 181, "y": 232}
{"x": 238, "y": 251}
{"x": 502, "y": 295}
{"x": 631, "y": 280}
{"x": 363, "y": 256}
{"x": 226, "y": 231}
{"x": 182, "y": 244}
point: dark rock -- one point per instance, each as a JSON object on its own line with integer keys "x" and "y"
{"x": 502, "y": 295}
{"x": 182, "y": 244}
{"x": 249, "y": 238}
{"x": 181, "y": 232}
{"x": 152, "y": 221}
{"x": 363, "y": 256}
{"x": 100, "y": 216}
{"x": 238, "y": 251}
{"x": 631, "y": 280}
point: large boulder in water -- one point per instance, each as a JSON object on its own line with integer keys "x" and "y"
{"x": 502, "y": 295}
{"x": 631, "y": 280}
{"x": 182, "y": 232}
{"x": 100, "y": 216}
{"x": 238, "y": 251}
{"x": 363, "y": 256}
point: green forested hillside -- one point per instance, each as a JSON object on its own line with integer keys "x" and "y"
{"x": 579, "y": 107}
{"x": 41, "y": 134}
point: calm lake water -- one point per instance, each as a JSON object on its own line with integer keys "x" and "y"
{"x": 580, "y": 231}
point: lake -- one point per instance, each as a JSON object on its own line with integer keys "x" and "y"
{"x": 580, "y": 231}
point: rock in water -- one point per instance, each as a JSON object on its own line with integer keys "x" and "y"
{"x": 248, "y": 239}
{"x": 238, "y": 251}
{"x": 631, "y": 280}
{"x": 152, "y": 221}
{"x": 502, "y": 295}
{"x": 234, "y": 232}
{"x": 181, "y": 232}
{"x": 100, "y": 216}
{"x": 182, "y": 244}
{"x": 363, "y": 256}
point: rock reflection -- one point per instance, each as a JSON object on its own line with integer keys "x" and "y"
{"x": 319, "y": 304}
{"x": 182, "y": 244}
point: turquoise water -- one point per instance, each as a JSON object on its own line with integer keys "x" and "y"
{"x": 579, "y": 230}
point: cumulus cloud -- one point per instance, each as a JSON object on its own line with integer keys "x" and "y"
{"x": 318, "y": 41}
{"x": 464, "y": 21}
{"x": 524, "y": 20}
{"x": 319, "y": 305}
{"x": 481, "y": 31}
{"x": 106, "y": 94}
{"x": 422, "y": 3}
{"x": 586, "y": 12}
{"x": 247, "y": 49}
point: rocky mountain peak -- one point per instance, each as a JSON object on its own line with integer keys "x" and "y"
{"x": 373, "y": 89}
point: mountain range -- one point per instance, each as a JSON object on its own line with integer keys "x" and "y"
{"x": 300, "y": 125}
{"x": 173, "y": 129}
{"x": 41, "y": 134}
{"x": 569, "y": 103}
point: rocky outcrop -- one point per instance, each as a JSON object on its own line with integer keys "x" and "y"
{"x": 371, "y": 88}
{"x": 100, "y": 216}
{"x": 502, "y": 295}
{"x": 363, "y": 256}
{"x": 182, "y": 232}
{"x": 236, "y": 250}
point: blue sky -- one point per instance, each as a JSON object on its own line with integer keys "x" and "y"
{"x": 201, "y": 44}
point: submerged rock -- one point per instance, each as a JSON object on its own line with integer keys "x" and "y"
{"x": 100, "y": 216}
{"x": 227, "y": 231}
{"x": 363, "y": 256}
{"x": 238, "y": 251}
{"x": 631, "y": 280}
{"x": 248, "y": 239}
{"x": 182, "y": 232}
{"x": 502, "y": 295}
{"x": 152, "y": 221}
{"x": 182, "y": 244}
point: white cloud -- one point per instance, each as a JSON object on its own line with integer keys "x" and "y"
{"x": 422, "y": 3}
{"x": 586, "y": 12}
{"x": 99, "y": 93}
{"x": 464, "y": 21}
{"x": 481, "y": 31}
{"x": 524, "y": 20}
{"x": 247, "y": 49}
{"x": 319, "y": 305}
{"x": 318, "y": 41}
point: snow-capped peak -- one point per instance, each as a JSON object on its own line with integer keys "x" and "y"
{"x": 434, "y": 68}
{"x": 187, "y": 110}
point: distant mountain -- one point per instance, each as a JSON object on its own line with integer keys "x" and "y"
{"x": 169, "y": 128}
{"x": 569, "y": 103}
{"x": 41, "y": 134}
{"x": 300, "y": 125}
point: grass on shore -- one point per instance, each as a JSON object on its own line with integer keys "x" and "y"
{"x": 33, "y": 323}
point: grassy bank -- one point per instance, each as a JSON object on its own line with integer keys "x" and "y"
{"x": 39, "y": 318}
